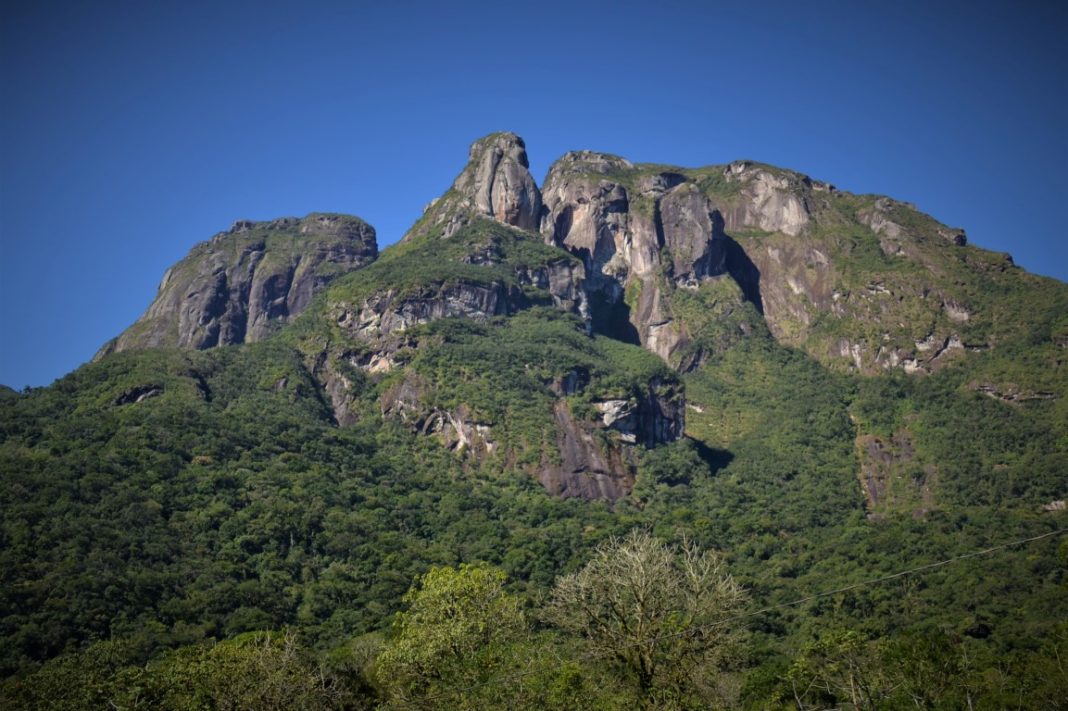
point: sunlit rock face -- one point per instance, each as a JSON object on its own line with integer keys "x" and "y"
{"x": 634, "y": 229}
{"x": 239, "y": 285}
{"x": 495, "y": 183}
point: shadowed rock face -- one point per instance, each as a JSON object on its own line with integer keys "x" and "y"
{"x": 235, "y": 287}
{"x": 584, "y": 461}
{"x": 584, "y": 469}
{"x": 693, "y": 232}
{"x": 589, "y": 470}
{"x": 632, "y": 228}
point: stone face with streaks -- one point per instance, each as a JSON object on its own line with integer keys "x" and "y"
{"x": 631, "y": 228}
{"x": 241, "y": 284}
{"x": 495, "y": 183}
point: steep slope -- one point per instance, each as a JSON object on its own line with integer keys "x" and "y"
{"x": 688, "y": 263}
{"x": 703, "y": 265}
{"x": 468, "y": 290}
{"x": 496, "y": 183}
{"x": 237, "y": 286}
{"x": 640, "y": 237}
{"x": 707, "y": 353}
{"x": 858, "y": 282}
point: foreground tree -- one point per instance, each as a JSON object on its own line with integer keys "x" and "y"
{"x": 843, "y": 669}
{"x": 464, "y": 643}
{"x": 257, "y": 671}
{"x": 454, "y": 637}
{"x": 660, "y": 613}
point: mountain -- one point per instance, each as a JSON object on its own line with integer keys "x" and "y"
{"x": 239, "y": 284}
{"x": 828, "y": 387}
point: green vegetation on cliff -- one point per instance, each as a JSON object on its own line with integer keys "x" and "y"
{"x": 350, "y": 512}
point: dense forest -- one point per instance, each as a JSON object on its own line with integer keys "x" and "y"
{"x": 346, "y": 514}
{"x": 240, "y": 550}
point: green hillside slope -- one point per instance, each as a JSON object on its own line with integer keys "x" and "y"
{"x": 666, "y": 354}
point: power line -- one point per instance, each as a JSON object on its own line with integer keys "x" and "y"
{"x": 752, "y": 613}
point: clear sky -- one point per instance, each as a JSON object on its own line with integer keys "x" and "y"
{"x": 132, "y": 130}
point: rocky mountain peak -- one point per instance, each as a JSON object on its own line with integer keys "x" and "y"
{"x": 500, "y": 144}
{"x": 684, "y": 262}
{"x": 774, "y": 199}
{"x": 235, "y": 287}
{"x": 589, "y": 162}
{"x": 496, "y": 182}
{"x": 497, "y": 178}
{"x": 320, "y": 224}
{"x": 641, "y": 231}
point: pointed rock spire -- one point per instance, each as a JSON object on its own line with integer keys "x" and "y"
{"x": 496, "y": 183}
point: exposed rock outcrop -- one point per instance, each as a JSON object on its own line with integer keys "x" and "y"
{"x": 496, "y": 183}
{"x": 458, "y": 429}
{"x": 393, "y": 311}
{"x": 796, "y": 285}
{"x": 890, "y": 476}
{"x": 924, "y": 356}
{"x": 591, "y": 459}
{"x": 582, "y": 467}
{"x": 585, "y": 467}
{"x": 387, "y": 312}
{"x": 339, "y": 378}
{"x": 773, "y": 201}
{"x": 563, "y": 280}
{"x": 139, "y": 394}
{"x": 693, "y": 232}
{"x": 1010, "y": 392}
{"x": 638, "y": 233}
{"x": 237, "y": 286}
{"x": 656, "y": 417}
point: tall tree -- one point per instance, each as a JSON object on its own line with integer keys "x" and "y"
{"x": 657, "y": 611}
{"x": 453, "y": 637}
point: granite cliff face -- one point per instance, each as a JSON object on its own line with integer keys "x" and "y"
{"x": 640, "y": 234}
{"x": 859, "y": 282}
{"x": 237, "y": 286}
{"x": 586, "y": 458}
{"x": 772, "y": 201}
{"x": 476, "y": 255}
{"x": 495, "y": 183}
{"x": 683, "y": 262}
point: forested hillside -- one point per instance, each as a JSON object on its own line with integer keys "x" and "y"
{"x": 644, "y": 435}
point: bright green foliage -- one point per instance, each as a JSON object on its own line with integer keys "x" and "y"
{"x": 227, "y": 504}
{"x": 166, "y": 499}
{"x": 464, "y": 643}
{"x": 452, "y": 634}
{"x": 502, "y": 371}
{"x": 844, "y": 670}
{"x": 716, "y": 316}
{"x": 410, "y": 267}
{"x": 841, "y": 665}
{"x": 94, "y": 678}
{"x": 254, "y": 672}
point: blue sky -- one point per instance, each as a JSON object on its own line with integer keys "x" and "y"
{"x": 132, "y": 130}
